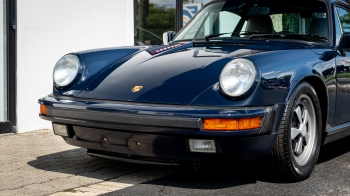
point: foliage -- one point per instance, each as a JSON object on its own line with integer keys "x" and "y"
{"x": 290, "y": 22}
{"x": 160, "y": 17}
{"x": 345, "y": 20}
{"x": 154, "y": 19}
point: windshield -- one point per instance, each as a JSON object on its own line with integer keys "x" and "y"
{"x": 297, "y": 20}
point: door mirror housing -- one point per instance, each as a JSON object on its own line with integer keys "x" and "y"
{"x": 168, "y": 37}
{"x": 344, "y": 43}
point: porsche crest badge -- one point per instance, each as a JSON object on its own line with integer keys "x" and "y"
{"x": 136, "y": 89}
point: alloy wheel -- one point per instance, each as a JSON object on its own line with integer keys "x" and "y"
{"x": 303, "y": 130}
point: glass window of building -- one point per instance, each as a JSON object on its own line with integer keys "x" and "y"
{"x": 191, "y": 7}
{"x": 153, "y": 18}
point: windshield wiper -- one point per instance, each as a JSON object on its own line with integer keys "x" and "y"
{"x": 274, "y": 35}
{"x": 235, "y": 33}
{"x": 254, "y": 32}
{"x": 207, "y": 37}
{"x": 306, "y": 35}
{"x": 271, "y": 35}
{"x": 263, "y": 34}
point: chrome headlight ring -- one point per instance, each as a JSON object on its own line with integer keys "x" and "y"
{"x": 238, "y": 77}
{"x": 67, "y": 71}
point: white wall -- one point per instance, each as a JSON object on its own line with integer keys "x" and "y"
{"x": 48, "y": 29}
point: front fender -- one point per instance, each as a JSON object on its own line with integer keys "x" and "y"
{"x": 318, "y": 79}
{"x": 281, "y": 71}
{"x": 93, "y": 62}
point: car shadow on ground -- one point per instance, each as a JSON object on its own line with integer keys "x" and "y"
{"x": 216, "y": 176}
{"x": 333, "y": 150}
{"x": 228, "y": 175}
{"x": 77, "y": 162}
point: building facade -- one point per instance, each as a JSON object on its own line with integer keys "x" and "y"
{"x": 36, "y": 33}
{"x": 43, "y": 32}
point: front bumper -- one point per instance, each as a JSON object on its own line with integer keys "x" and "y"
{"x": 156, "y": 133}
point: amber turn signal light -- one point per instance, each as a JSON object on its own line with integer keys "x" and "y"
{"x": 232, "y": 124}
{"x": 43, "y": 109}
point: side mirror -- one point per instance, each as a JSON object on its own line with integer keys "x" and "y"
{"x": 168, "y": 36}
{"x": 344, "y": 44}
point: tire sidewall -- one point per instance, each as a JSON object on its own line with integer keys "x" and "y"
{"x": 302, "y": 172}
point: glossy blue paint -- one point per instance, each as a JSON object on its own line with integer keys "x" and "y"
{"x": 343, "y": 89}
{"x": 172, "y": 77}
{"x": 183, "y": 81}
{"x": 163, "y": 80}
{"x": 94, "y": 62}
{"x": 189, "y": 75}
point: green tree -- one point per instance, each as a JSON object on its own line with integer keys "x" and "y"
{"x": 160, "y": 17}
{"x": 152, "y": 20}
{"x": 345, "y": 20}
{"x": 290, "y": 22}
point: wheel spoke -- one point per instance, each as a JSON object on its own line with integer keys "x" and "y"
{"x": 295, "y": 132}
{"x": 307, "y": 136}
{"x": 299, "y": 147}
{"x": 306, "y": 116}
{"x": 298, "y": 113}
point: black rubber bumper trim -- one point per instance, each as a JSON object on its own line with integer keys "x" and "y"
{"x": 160, "y": 121}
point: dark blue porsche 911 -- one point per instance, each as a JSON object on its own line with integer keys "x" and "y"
{"x": 245, "y": 79}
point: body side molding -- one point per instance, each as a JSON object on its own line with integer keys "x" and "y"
{"x": 337, "y": 132}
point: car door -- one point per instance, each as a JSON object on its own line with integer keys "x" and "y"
{"x": 342, "y": 23}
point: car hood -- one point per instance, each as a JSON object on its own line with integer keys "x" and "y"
{"x": 176, "y": 76}
{"x": 183, "y": 73}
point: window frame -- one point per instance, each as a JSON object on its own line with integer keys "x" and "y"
{"x": 329, "y": 12}
{"x": 10, "y": 125}
{"x": 346, "y": 8}
{"x": 336, "y": 17}
{"x": 342, "y": 5}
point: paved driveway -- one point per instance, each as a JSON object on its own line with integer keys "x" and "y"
{"x": 40, "y": 163}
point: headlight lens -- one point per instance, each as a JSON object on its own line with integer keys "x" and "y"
{"x": 66, "y": 69}
{"x": 237, "y": 77}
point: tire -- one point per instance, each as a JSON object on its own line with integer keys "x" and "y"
{"x": 298, "y": 143}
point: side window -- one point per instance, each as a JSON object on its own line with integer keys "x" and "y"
{"x": 344, "y": 17}
{"x": 338, "y": 31}
{"x": 298, "y": 22}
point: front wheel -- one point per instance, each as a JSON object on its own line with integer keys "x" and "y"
{"x": 298, "y": 143}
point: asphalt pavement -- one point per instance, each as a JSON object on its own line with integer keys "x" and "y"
{"x": 40, "y": 163}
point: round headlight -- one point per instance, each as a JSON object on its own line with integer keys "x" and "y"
{"x": 66, "y": 70}
{"x": 237, "y": 77}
